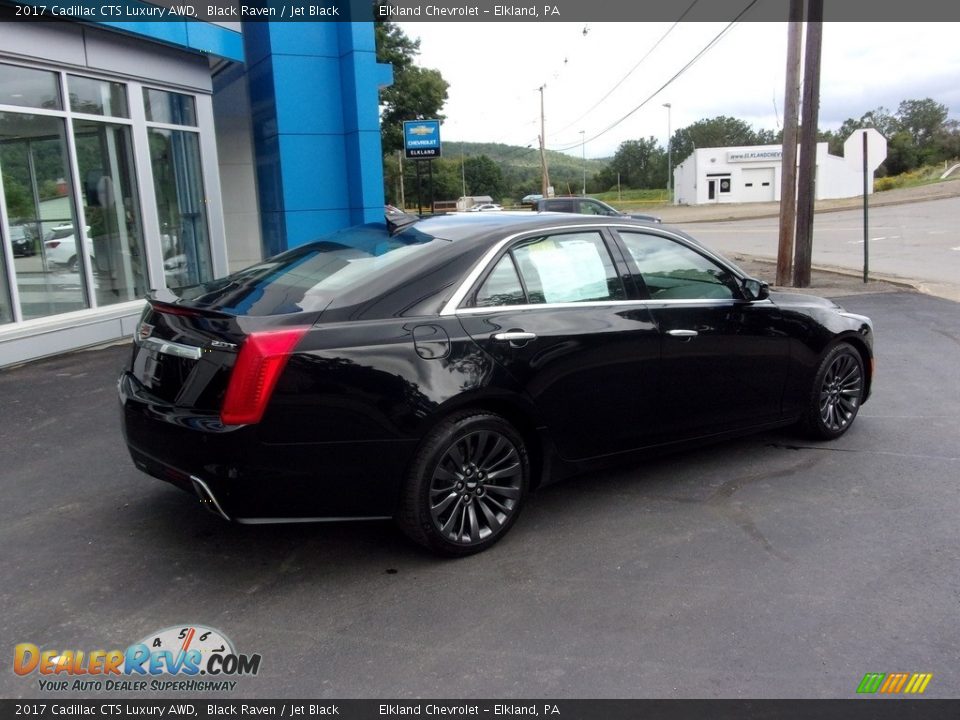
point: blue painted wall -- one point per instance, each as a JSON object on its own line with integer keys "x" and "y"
{"x": 314, "y": 99}
{"x": 192, "y": 35}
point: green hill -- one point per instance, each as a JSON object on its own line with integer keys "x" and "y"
{"x": 521, "y": 165}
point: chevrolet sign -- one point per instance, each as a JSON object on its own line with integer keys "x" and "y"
{"x": 421, "y": 139}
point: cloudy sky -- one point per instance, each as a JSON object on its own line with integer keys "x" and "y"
{"x": 604, "y": 78}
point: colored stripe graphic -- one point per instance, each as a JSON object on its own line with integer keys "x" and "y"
{"x": 894, "y": 683}
{"x": 918, "y": 683}
{"x": 871, "y": 682}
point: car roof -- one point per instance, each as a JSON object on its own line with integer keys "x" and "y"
{"x": 460, "y": 226}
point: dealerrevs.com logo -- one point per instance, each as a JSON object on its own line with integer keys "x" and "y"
{"x": 184, "y": 658}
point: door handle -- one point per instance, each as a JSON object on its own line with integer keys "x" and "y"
{"x": 515, "y": 336}
{"x": 682, "y": 333}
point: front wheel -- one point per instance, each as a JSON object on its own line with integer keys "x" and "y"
{"x": 466, "y": 485}
{"x": 836, "y": 394}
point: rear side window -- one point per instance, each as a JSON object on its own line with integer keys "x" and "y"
{"x": 562, "y": 268}
{"x": 502, "y": 286}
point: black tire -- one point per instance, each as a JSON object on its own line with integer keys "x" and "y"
{"x": 836, "y": 393}
{"x": 73, "y": 264}
{"x": 466, "y": 485}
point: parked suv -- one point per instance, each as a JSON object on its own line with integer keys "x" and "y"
{"x": 587, "y": 206}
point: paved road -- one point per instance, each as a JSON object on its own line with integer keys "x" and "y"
{"x": 919, "y": 241}
{"x": 766, "y": 567}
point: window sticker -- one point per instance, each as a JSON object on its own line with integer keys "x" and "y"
{"x": 570, "y": 270}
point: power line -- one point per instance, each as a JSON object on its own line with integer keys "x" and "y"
{"x": 630, "y": 72}
{"x": 680, "y": 72}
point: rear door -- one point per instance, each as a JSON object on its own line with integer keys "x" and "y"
{"x": 558, "y": 314}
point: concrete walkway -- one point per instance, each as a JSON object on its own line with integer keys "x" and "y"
{"x": 675, "y": 214}
{"x": 827, "y": 281}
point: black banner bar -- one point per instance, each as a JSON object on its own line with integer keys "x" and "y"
{"x": 856, "y": 709}
{"x": 401, "y": 11}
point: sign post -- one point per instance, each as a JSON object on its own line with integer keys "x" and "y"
{"x": 866, "y": 213}
{"x": 865, "y": 149}
{"x": 421, "y": 142}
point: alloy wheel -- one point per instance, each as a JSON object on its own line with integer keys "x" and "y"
{"x": 476, "y": 487}
{"x": 840, "y": 392}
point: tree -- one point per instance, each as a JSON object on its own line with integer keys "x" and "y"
{"x": 483, "y": 177}
{"x": 721, "y": 131}
{"x": 639, "y": 163}
{"x": 416, "y": 94}
{"x": 902, "y": 153}
{"x": 922, "y": 119}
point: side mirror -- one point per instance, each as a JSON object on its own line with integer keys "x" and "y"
{"x": 755, "y": 289}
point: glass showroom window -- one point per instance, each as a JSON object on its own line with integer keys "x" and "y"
{"x": 110, "y": 205}
{"x": 40, "y": 220}
{"x": 178, "y": 184}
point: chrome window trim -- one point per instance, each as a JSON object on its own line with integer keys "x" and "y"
{"x": 452, "y": 306}
{"x": 708, "y": 302}
{"x": 168, "y": 347}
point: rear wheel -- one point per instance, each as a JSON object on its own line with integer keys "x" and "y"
{"x": 467, "y": 484}
{"x": 836, "y": 393}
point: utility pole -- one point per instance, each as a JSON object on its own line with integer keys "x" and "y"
{"x": 583, "y": 157}
{"x": 669, "y": 156}
{"x": 544, "y": 170}
{"x": 788, "y": 174}
{"x": 803, "y": 252}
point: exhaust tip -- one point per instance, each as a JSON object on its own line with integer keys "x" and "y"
{"x": 207, "y": 499}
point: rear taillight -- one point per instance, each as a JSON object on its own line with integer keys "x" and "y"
{"x": 258, "y": 367}
{"x": 52, "y": 244}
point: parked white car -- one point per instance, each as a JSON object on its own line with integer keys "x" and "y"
{"x": 60, "y": 247}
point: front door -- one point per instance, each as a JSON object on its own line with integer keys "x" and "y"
{"x": 723, "y": 358}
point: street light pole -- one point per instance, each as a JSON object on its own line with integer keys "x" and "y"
{"x": 669, "y": 156}
{"x": 583, "y": 155}
{"x": 544, "y": 170}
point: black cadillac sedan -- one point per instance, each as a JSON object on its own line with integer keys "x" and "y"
{"x": 435, "y": 371}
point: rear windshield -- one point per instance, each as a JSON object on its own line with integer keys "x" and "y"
{"x": 308, "y": 278}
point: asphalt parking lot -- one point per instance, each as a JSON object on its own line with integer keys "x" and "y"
{"x": 764, "y": 567}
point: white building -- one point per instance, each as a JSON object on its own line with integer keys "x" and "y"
{"x": 752, "y": 173}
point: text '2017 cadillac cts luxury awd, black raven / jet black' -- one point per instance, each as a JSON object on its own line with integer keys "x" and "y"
{"x": 436, "y": 371}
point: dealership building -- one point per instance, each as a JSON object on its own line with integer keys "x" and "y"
{"x": 138, "y": 155}
{"x": 752, "y": 173}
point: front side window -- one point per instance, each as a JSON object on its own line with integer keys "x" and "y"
{"x": 591, "y": 207}
{"x": 672, "y": 271}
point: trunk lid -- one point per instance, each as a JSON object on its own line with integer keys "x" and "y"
{"x": 183, "y": 356}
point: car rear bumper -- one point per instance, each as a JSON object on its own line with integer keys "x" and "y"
{"x": 236, "y": 475}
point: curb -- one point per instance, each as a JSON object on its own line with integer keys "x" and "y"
{"x": 906, "y": 283}
{"x": 764, "y": 214}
